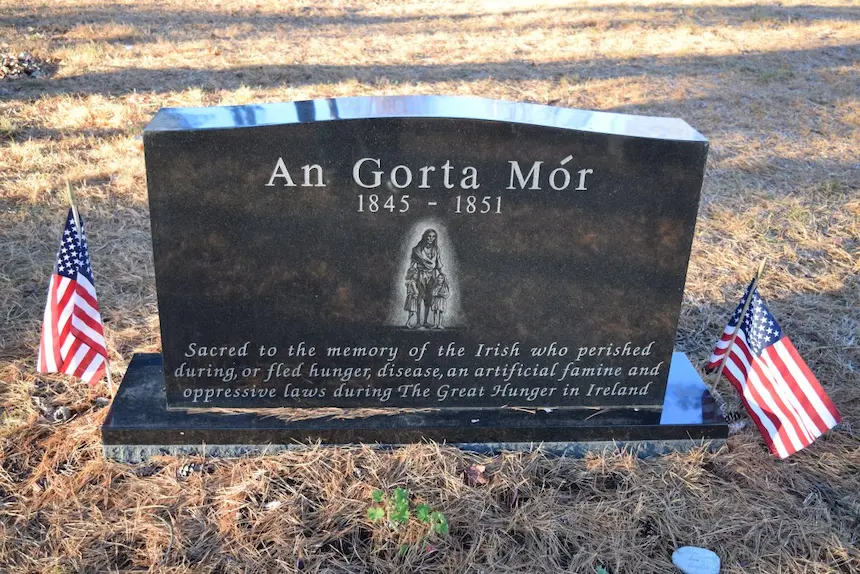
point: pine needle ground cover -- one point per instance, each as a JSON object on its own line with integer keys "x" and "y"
{"x": 774, "y": 87}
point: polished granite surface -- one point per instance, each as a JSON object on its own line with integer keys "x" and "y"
{"x": 585, "y": 257}
{"x": 456, "y": 107}
{"x": 139, "y": 424}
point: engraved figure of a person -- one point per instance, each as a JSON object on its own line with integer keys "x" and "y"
{"x": 426, "y": 267}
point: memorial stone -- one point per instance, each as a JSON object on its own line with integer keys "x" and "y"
{"x": 469, "y": 256}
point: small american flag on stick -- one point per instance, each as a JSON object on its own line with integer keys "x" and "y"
{"x": 73, "y": 339}
{"x": 783, "y": 397}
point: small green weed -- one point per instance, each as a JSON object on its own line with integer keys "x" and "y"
{"x": 398, "y": 510}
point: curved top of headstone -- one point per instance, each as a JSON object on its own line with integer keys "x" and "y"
{"x": 443, "y": 107}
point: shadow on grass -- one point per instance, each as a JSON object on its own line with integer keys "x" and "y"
{"x": 57, "y": 134}
{"x": 175, "y": 23}
{"x": 810, "y": 62}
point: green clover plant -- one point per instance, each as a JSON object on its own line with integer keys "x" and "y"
{"x": 398, "y": 510}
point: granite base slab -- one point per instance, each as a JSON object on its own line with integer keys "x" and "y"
{"x": 139, "y": 424}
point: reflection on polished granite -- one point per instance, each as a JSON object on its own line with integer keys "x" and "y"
{"x": 684, "y": 393}
{"x": 455, "y": 107}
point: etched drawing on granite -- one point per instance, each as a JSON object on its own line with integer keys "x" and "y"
{"x": 427, "y": 294}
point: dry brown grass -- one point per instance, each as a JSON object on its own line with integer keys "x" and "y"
{"x": 775, "y": 88}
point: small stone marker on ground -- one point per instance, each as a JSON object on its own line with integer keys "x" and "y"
{"x": 516, "y": 268}
{"x": 695, "y": 560}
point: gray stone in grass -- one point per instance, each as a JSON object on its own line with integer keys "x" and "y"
{"x": 62, "y": 414}
{"x": 695, "y": 560}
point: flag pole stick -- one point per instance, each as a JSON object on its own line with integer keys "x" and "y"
{"x": 740, "y": 320}
{"x": 71, "y": 197}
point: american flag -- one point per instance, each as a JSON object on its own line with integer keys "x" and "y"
{"x": 783, "y": 397}
{"x": 73, "y": 339}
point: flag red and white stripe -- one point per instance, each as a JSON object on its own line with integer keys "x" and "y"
{"x": 73, "y": 340}
{"x": 783, "y": 397}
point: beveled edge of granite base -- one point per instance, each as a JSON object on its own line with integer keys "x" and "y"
{"x": 134, "y": 454}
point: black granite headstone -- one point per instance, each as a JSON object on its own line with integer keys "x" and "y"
{"x": 420, "y": 251}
